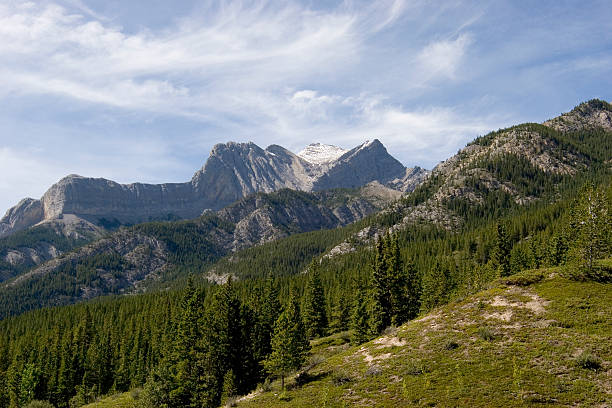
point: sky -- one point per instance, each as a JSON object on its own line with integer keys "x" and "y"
{"x": 141, "y": 90}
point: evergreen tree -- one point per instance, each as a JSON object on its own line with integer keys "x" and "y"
{"x": 558, "y": 248}
{"x": 398, "y": 283}
{"x": 188, "y": 351}
{"x": 341, "y": 314}
{"x": 290, "y": 345}
{"x": 226, "y": 348}
{"x": 592, "y": 226}
{"x": 501, "y": 252}
{"x": 267, "y": 313}
{"x": 413, "y": 291}
{"x": 313, "y": 310}
{"x": 229, "y": 386}
{"x": 436, "y": 284}
{"x": 381, "y": 304}
{"x": 360, "y": 320}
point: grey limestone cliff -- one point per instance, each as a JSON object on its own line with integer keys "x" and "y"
{"x": 233, "y": 171}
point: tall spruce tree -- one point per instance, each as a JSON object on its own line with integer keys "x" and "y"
{"x": 381, "y": 304}
{"x": 267, "y": 312}
{"x": 188, "y": 351}
{"x": 436, "y": 286}
{"x": 592, "y": 226}
{"x": 290, "y": 345}
{"x": 360, "y": 319}
{"x": 314, "y": 310}
{"x": 398, "y": 282}
{"x": 501, "y": 252}
{"x": 413, "y": 290}
{"x": 226, "y": 347}
{"x": 341, "y": 313}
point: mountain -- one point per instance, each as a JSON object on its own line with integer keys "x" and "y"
{"x": 506, "y": 170}
{"x": 135, "y": 258}
{"x": 233, "y": 171}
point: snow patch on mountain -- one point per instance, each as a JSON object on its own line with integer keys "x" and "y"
{"x": 319, "y": 153}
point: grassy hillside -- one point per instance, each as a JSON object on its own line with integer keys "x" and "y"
{"x": 534, "y": 339}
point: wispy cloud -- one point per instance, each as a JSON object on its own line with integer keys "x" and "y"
{"x": 423, "y": 77}
{"x": 441, "y": 58}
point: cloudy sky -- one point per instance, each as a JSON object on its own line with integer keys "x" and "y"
{"x": 141, "y": 90}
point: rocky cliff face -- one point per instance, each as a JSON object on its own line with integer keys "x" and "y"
{"x": 233, "y": 171}
{"x": 594, "y": 114}
{"x": 25, "y": 214}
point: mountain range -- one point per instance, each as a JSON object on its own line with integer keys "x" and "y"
{"x": 500, "y": 254}
{"x": 509, "y": 168}
{"x": 233, "y": 171}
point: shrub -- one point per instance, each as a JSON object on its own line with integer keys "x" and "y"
{"x": 588, "y": 361}
{"x": 451, "y": 345}
{"x": 341, "y": 378}
{"x": 524, "y": 278}
{"x": 39, "y": 404}
{"x": 486, "y": 333}
{"x": 414, "y": 367}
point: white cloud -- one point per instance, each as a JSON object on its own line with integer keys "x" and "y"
{"x": 442, "y": 58}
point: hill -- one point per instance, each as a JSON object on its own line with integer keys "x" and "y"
{"x": 533, "y": 339}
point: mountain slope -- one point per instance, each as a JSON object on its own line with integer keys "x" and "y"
{"x": 504, "y": 171}
{"x": 536, "y": 339}
{"x": 233, "y": 171}
{"x": 132, "y": 259}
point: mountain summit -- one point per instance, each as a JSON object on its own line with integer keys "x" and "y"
{"x": 318, "y": 153}
{"x": 233, "y": 170}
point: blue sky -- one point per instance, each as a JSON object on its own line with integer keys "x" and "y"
{"x": 141, "y": 90}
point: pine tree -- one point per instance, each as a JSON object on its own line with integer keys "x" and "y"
{"x": 314, "y": 311}
{"x": 592, "y": 228}
{"x": 398, "y": 282}
{"x": 381, "y": 304}
{"x": 268, "y": 312}
{"x": 290, "y": 345}
{"x": 341, "y": 314}
{"x": 435, "y": 287}
{"x": 229, "y": 386}
{"x": 188, "y": 351}
{"x": 413, "y": 291}
{"x": 501, "y": 252}
{"x": 360, "y": 320}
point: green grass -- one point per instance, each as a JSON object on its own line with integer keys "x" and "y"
{"x": 537, "y": 339}
{"x": 125, "y": 400}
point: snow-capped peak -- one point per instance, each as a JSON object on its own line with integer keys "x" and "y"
{"x": 318, "y": 153}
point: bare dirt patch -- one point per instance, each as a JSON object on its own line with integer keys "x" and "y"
{"x": 389, "y": 341}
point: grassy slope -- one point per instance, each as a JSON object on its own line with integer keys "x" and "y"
{"x": 448, "y": 358}
{"x": 124, "y": 400}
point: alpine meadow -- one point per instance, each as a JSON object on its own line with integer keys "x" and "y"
{"x": 342, "y": 265}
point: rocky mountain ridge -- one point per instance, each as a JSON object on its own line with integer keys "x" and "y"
{"x": 233, "y": 171}
{"x": 514, "y": 166}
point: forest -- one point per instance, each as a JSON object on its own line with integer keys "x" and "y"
{"x": 201, "y": 344}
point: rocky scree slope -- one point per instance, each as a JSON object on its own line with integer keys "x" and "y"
{"x": 132, "y": 259}
{"x": 233, "y": 171}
